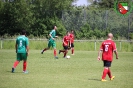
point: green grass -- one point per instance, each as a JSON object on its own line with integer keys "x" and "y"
{"x": 80, "y": 71}
{"x": 83, "y": 46}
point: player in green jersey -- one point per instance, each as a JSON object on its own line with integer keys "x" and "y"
{"x": 22, "y": 50}
{"x": 51, "y": 42}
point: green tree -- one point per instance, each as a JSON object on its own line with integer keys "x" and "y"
{"x": 36, "y": 16}
{"x": 106, "y": 3}
{"x": 48, "y": 13}
{"x": 15, "y": 16}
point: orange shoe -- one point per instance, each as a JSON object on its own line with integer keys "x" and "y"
{"x": 112, "y": 78}
{"x": 103, "y": 80}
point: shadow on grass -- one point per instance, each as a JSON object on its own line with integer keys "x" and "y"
{"x": 14, "y": 72}
{"x": 94, "y": 79}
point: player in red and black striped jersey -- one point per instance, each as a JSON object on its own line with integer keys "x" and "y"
{"x": 66, "y": 40}
{"x": 107, "y": 47}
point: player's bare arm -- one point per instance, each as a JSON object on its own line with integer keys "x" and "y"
{"x": 98, "y": 58}
{"x": 116, "y": 54}
{"x": 16, "y": 47}
{"x": 64, "y": 42}
{"x": 69, "y": 43}
{"x": 51, "y": 36}
{"x": 27, "y": 48}
{"x": 56, "y": 36}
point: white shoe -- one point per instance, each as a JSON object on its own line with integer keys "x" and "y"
{"x": 25, "y": 72}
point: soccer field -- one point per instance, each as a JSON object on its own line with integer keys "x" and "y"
{"x": 82, "y": 70}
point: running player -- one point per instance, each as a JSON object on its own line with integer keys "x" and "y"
{"x": 52, "y": 42}
{"x": 66, "y": 40}
{"x": 22, "y": 50}
{"x": 107, "y": 47}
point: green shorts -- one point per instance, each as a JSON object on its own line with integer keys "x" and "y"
{"x": 21, "y": 56}
{"x": 52, "y": 43}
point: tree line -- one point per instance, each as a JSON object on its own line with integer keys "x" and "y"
{"x": 39, "y": 16}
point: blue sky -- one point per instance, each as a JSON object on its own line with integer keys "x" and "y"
{"x": 81, "y": 3}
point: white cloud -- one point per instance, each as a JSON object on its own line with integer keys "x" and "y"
{"x": 81, "y": 3}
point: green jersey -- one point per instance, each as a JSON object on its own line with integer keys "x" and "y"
{"x": 53, "y": 34}
{"x": 22, "y": 42}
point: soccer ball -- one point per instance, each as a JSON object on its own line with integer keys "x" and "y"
{"x": 68, "y": 57}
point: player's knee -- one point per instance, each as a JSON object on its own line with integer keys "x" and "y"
{"x": 106, "y": 67}
{"x": 66, "y": 51}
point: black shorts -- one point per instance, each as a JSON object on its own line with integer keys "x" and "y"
{"x": 65, "y": 47}
{"x": 72, "y": 45}
{"x": 106, "y": 63}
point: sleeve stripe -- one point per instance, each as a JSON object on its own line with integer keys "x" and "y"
{"x": 101, "y": 49}
{"x": 114, "y": 49}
